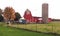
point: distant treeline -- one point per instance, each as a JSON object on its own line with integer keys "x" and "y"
{"x": 55, "y": 19}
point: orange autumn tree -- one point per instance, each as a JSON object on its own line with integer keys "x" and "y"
{"x": 9, "y": 14}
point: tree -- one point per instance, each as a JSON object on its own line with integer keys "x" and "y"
{"x": 1, "y": 18}
{"x": 0, "y": 11}
{"x": 18, "y": 16}
{"x": 9, "y": 14}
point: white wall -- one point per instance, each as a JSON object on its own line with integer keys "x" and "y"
{"x": 34, "y": 5}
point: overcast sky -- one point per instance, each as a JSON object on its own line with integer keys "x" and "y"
{"x": 35, "y": 6}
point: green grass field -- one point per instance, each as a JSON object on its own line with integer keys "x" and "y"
{"x": 53, "y": 27}
{"x": 9, "y": 31}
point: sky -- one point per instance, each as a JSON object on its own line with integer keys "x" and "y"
{"x": 35, "y": 6}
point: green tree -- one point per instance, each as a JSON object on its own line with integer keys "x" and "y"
{"x": 17, "y": 16}
{"x": 1, "y": 18}
{"x": 0, "y": 11}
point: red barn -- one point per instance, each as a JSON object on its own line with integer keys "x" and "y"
{"x": 30, "y": 19}
{"x": 28, "y": 15}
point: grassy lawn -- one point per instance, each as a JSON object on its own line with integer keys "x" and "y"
{"x": 53, "y": 27}
{"x": 10, "y": 31}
